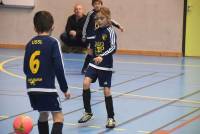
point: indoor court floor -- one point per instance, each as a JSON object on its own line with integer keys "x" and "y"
{"x": 149, "y": 93}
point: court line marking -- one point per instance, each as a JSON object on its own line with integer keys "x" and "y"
{"x": 183, "y": 124}
{"x": 132, "y": 62}
{"x": 145, "y": 63}
{"x": 90, "y": 126}
{"x": 196, "y": 118}
{"x": 4, "y": 116}
{"x": 145, "y": 97}
{"x": 187, "y": 101}
{"x": 7, "y": 72}
{"x": 149, "y": 112}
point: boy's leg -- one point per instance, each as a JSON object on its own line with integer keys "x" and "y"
{"x": 86, "y": 100}
{"x": 43, "y": 126}
{"x": 109, "y": 107}
{"x": 58, "y": 119}
{"x": 109, "y": 102}
{"x": 88, "y": 58}
{"x": 105, "y": 81}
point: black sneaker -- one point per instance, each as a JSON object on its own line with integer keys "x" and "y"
{"x": 110, "y": 123}
{"x": 86, "y": 117}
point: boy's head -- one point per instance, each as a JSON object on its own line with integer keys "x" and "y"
{"x": 43, "y": 21}
{"x": 97, "y": 4}
{"x": 103, "y": 17}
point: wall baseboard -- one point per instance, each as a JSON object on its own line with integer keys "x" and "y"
{"x": 129, "y": 52}
{"x": 12, "y": 46}
{"x": 150, "y": 53}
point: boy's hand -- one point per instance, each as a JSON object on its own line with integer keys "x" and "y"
{"x": 98, "y": 60}
{"x": 67, "y": 95}
{"x": 121, "y": 28}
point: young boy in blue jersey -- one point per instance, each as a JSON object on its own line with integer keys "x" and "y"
{"x": 42, "y": 63}
{"x": 101, "y": 66}
{"x": 89, "y": 30}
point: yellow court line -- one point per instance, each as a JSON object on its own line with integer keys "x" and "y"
{"x": 91, "y": 126}
{"x": 144, "y": 132}
{"x": 118, "y": 93}
{"x": 7, "y": 72}
{"x": 4, "y": 116}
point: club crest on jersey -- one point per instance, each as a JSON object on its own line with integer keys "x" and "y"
{"x": 99, "y": 47}
{"x": 104, "y": 37}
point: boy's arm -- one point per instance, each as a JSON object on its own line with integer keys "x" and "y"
{"x": 25, "y": 65}
{"x": 59, "y": 67}
{"x": 117, "y": 25}
{"x": 84, "y": 32}
{"x": 113, "y": 44}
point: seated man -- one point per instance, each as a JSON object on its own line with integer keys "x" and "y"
{"x": 73, "y": 31}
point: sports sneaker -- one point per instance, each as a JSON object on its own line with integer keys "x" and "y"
{"x": 110, "y": 123}
{"x": 86, "y": 117}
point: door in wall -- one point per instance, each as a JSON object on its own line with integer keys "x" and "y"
{"x": 192, "y": 47}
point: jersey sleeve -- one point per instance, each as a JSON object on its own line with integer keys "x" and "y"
{"x": 112, "y": 40}
{"x": 59, "y": 67}
{"x": 25, "y": 65}
{"x": 84, "y": 32}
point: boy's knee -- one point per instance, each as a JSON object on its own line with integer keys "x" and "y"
{"x": 86, "y": 83}
{"x": 107, "y": 92}
{"x": 58, "y": 117}
{"x": 43, "y": 116}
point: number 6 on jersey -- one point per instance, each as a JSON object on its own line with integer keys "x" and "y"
{"x": 34, "y": 63}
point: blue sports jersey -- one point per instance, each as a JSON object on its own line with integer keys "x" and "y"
{"x": 42, "y": 63}
{"x": 105, "y": 46}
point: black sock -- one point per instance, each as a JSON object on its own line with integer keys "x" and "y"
{"x": 43, "y": 127}
{"x": 86, "y": 100}
{"x": 57, "y": 128}
{"x": 109, "y": 106}
{"x": 86, "y": 62}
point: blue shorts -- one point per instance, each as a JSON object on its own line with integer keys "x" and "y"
{"x": 104, "y": 77}
{"x": 45, "y": 101}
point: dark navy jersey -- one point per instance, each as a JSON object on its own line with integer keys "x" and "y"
{"x": 89, "y": 26}
{"x": 105, "y": 46}
{"x": 42, "y": 63}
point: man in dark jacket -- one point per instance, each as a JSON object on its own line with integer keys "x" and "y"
{"x": 73, "y": 30}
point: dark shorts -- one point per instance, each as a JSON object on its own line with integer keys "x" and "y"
{"x": 104, "y": 77}
{"x": 45, "y": 101}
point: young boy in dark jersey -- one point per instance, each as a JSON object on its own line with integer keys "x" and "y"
{"x": 101, "y": 65}
{"x": 42, "y": 63}
{"x": 89, "y": 30}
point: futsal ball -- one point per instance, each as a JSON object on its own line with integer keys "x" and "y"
{"x": 22, "y": 124}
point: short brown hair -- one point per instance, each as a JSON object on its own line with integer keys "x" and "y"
{"x": 93, "y": 1}
{"x": 43, "y": 21}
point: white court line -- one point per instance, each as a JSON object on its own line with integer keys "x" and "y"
{"x": 145, "y": 97}
{"x": 118, "y": 93}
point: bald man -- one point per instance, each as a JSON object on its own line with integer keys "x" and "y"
{"x": 73, "y": 29}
